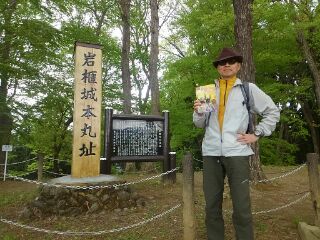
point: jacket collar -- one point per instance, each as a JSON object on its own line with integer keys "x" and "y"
{"x": 237, "y": 82}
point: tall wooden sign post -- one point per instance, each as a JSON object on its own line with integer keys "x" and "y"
{"x": 87, "y": 111}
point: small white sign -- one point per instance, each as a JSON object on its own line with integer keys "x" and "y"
{"x": 6, "y": 148}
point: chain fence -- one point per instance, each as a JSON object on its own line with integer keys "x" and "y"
{"x": 284, "y": 175}
{"x": 284, "y": 206}
{"x": 92, "y": 187}
{"x": 142, "y": 172}
{"x": 277, "y": 208}
{"x": 20, "y": 178}
{"x": 56, "y": 174}
{"x": 74, "y": 233}
{"x": 61, "y": 160}
{"x": 271, "y": 179}
{"x": 16, "y": 163}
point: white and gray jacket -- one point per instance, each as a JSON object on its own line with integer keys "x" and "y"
{"x": 236, "y": 119}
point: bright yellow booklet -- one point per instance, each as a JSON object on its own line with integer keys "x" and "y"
{"x": 207, "y": 96}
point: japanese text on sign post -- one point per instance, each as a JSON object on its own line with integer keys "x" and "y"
{"x": 87, "y": 111}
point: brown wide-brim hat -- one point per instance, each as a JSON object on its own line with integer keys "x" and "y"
{"x": 228, "y": 53}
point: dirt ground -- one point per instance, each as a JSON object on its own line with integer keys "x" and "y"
{"x": 280, "y": 224}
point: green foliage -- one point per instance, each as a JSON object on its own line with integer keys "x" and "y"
{"x": 46, "y": 128}
{"x": 177, "y": 96}
{"x": 275, "y": 151}
{"x": 208, "y": 26}
{"x": 275, "y": 46}
{"x": 41, "y": 66}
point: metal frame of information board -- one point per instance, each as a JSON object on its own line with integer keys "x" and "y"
{"x": 108, "y": 141}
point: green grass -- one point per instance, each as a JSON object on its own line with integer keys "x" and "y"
{"x": 132, "y": 237}
{"x": 15, "y": 198}
{"x": 9, "y": 237}
{"x": 296, "y": 220}
{"x": 261, "y": 227}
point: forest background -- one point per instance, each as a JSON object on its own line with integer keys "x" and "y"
{"x": 36, "y": 68}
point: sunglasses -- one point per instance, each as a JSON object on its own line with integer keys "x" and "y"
{"x": 227, "y": 61}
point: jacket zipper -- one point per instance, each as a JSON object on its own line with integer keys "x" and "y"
{"x": 224, "y": 104}
{"x": 224, "y": 99}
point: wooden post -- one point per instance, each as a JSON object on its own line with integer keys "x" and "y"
{"x": 166, "y": 146}
{"x": 106, "y": 166}
{"x": 313, "y": 160}
{"x": 87, "y": 110}
{"x": 173, "y": 165}
{"x": 189, "y": 232}
{"x": 166, "y": 141}
{"x": 40, "y": 166}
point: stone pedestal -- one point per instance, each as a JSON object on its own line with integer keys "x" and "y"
{"x": 64, "y": 201}
{"x": 307, "y": 232}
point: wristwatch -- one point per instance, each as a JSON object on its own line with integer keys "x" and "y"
{"x": 258, "y": 133}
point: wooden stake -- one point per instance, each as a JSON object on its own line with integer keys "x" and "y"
{"x": 188, "y": 199}
{"x": 313, "y": 160}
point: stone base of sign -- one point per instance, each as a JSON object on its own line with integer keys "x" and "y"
{"x": 62, "y": 201}
{"x": 307, "y": 232}
{"x": 69, "y": 180}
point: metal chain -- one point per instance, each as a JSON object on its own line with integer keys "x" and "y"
{"x": 91, "y": 187}
{"x": 140, "y": 172}
{"x": 285, "y": 206}
{"x": 197, "y": 160}
{"x": 58, "y": 174}
{"x": 24, "y": 174}
{"x": 278, "y": 208}
{"x": 60, "y": 160}
{"x": 16, "y": 163}
{"x": 284, "y": 175}
{"x": 68, "y": 161}
{"x": 90, "y": 233}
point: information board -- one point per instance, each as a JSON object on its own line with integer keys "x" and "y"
{"x": 137, "y": 138}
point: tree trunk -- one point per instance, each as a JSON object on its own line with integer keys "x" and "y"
{"x": 281, "y": 136}
{"x": 311, "y": 63}
{"x": 5, "y": 112}
{"x": 154, "y": 58}
{"x": 126, "y": 83}
{"x": 243, "y": 35}
{"x": 153, "y": 68}
{"x": 307, "y": 113}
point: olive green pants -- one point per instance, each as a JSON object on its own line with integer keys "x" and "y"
{"x": 237, "y": 170}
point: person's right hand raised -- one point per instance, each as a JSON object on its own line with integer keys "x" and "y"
{"x": 196, "y": 106}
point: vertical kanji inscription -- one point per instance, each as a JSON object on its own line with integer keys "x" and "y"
{"x": 87, "y": 111}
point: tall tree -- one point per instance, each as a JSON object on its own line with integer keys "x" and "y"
{"x": 125, "y": 68}
{"x": 28, "y": 46}
{"x": 8, "y": 9}
{"x": 140, "y": 52}
{"x": 306, "y": 20}
{"x": 154, "y": 57}
{"x": 243, "y": 35}
{"x": 141, "y": 47}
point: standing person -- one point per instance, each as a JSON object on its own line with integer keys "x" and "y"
{"x": 226, "y": 145}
